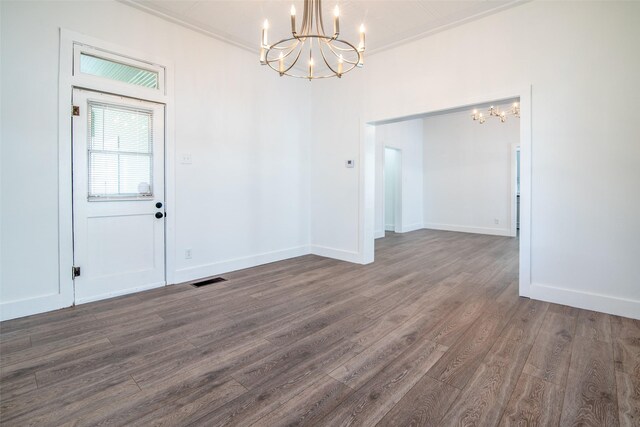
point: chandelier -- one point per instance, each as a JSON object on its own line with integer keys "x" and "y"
{"x": 496, "y": 112}
{"x": 327, "y": 55}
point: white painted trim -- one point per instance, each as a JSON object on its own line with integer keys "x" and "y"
{"x": 26, "y": 307}
{"x": 586, "y": 300}
{"x": 218, "y": 36}
{"x": 119, "y": 293}
{"x": 366, "y": 196}
{"x": 410, "y": 227}
{"x": 206, "y": 270}
{"x": 253, "y": 48}
{"x": 466, "y": 229}
{"x": 524, "y": 93}
{"x": 379, "y": 234}
{"x": 340, "y": 254}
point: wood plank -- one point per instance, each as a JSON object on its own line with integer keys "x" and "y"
{"x": 534, "y": 402}
{"x": 590, "y": 397}
{"x": 424, "y": 405}
{"x": 551, "y": 352}
{"x": 462, "y": 359}
{"x": 628, "y": 388}
{"x": 310, "y": 405}
{"x": 594, "y": 326}
{"x": 526, "y": 322}
{"x": 485, "y": 397}
{"x": 10, "y": 346}
{"x": 370, "y": 403}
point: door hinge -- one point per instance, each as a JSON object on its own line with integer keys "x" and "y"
{"x": 75, "y": 110}
{"x": 75, "y": 272}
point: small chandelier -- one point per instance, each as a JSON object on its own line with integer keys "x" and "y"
{"x": 495, "y": 112}
{"x": 328, "y": 56}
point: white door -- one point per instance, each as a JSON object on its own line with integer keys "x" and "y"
{"x": 118, "y": 195}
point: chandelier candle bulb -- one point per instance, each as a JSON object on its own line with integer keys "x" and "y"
{"x": 263, "y": 56}
{"x": 265, "y": 28}
{"x": 310, "y": 69}
{"x": 336, "y": 20}
{"x": 293, "y": 19}
{"x": 361, "y": 45}
{"x": 340, "y": 65}
{"x": 281, "y": 64}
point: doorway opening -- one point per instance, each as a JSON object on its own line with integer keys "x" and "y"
{"x": 493, "y": 201}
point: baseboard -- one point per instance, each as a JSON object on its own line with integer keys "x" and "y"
{"x": 206, "y": 270}
{"x": 411, "y": 227}
{"x": 27, "y": 307}
{"x": 120, "y": 293}
{"x": 334, "y": 253}
{"x": 586, "y": 300}
{"x": 378, "y": 234}
{"x": 466, "y": 229}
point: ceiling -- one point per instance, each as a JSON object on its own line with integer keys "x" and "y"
{"x": 388, "y": 22}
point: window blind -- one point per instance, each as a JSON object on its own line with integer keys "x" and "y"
{"x": 120, "y": 150}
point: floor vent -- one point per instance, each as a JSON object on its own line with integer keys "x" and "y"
{"x": 208, "y": 281}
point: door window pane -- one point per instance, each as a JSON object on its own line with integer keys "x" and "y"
{"x": 120, "y": 152}
{"x": 101, "y": 67}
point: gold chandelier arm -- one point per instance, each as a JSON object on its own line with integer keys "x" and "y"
{"x": 353, "y": 49}
{"x": 319, "y": 20}
{"x": 305, "y": 18}
{"x": 324, "y": 58}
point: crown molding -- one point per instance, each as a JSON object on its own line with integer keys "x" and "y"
{"x": 216, "y": 35}
{"x": 254, "y": 49}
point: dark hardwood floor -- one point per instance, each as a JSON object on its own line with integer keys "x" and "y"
{"x": 432, "y": 333}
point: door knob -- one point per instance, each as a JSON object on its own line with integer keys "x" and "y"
{"x": 159, "y": 205}
{"x": 159, "y": 215}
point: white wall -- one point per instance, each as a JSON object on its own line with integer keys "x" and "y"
{"x": 390, "y": 198}
{"x": 583, "y": 70}
{"x": 245, "y": 198}
{"x": 406, "y": 136}
{"x": 468, "y": 173}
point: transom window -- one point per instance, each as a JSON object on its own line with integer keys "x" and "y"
{"x": 110, "y": 68}
{"x": 101, "y": 67}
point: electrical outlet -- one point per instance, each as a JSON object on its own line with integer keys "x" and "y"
{"x": 187, "y": 254}
{"x": 186, "y": 159}
{"x": 496, "y": 221}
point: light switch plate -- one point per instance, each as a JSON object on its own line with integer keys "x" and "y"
{"x": 349, "y": 163}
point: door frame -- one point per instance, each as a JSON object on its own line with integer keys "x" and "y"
{"x": 67, "y": 82}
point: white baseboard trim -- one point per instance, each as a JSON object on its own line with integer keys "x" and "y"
{"x": 334, "y": 253}
{"x": 27, "y": 307}
{"x": 586, "y": 300}
{"x": 207, "y": 270}
{"x": 411, "y": 227}
{"x": 378, "y": 234}
{"x": 466, "y": 229}
{"x": 119, "y": 293}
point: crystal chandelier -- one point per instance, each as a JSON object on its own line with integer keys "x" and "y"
{"x": 328, "y": 56}
{"x": 495, "y": 112}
